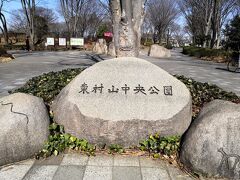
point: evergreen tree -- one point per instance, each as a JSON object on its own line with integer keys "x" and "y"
{"x": 232, "y": 33}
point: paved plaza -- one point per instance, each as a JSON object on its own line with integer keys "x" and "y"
{"x": 100, "y": 167}
{"x": 26, "y": 65}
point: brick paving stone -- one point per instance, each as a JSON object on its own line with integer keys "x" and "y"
{"x": 74, "y": 159}
{"x": 154, "y": 174}
{"x": 14, "y": 172}
{"x": 150, "y": 162}
{"x": 69, "y": 173}
{"x": 102, "y": 160}
{"x": 41, "y": 173}
{"x": 98, "y": 173}
{"x": 120, "y": 160}
{"x": 177, "y": 174}
{"x": 102, "y": 167}
{"x": 52, "y": 160}
{"x": 126, "y": 173}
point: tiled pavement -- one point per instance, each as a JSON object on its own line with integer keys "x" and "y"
{"x": 101, "y": 167}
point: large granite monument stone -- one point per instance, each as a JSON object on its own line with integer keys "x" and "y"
{"x": 122, "y": 101}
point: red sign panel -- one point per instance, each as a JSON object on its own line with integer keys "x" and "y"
{"x": 108, "y": 34}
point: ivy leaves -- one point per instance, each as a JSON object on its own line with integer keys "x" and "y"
{"x": 58, "y": 141}
{"x": 156, "y": 145}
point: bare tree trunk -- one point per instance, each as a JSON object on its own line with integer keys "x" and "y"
{"x": 127, "y": 20}
{"x": 4, "y": 28}
{"x": 3, "y": 20}
{"x": 29, "y": 8}
{"x": 208, "y": 17}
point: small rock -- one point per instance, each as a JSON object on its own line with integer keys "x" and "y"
{"x": 159, "y": 51}
{"x": 111, "y": 50}
{"x": 24, "y": 125}
{"x": 211, "y": 146}
{"x": 100, "y": 47}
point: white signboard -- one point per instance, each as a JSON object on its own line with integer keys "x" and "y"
{"x": 77, "y": 41}
{"x": 50, "y": 41}
{"x": 62, "y": 42}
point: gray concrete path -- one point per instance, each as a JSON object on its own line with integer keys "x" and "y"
{"x": 203, "y": 71}
{"x": 26, "y": 65}
{"x": 100, "y": 167}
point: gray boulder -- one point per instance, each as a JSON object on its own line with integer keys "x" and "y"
{"x": 100, "y": 47}
{"x": 212, "y": 144}
{"x": 123, "y": 100}
{"x": 159, "y": 51}
{"x": 24, "y": 125}
{"x": 111, "y": 50}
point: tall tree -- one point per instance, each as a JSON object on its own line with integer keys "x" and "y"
{"x": 222, "y": 9}
{"x": 3, "y": 21}
{"x": 232, "y": 33}
{"x": 162, "y": 13}
{"x": 206, "y": 18}
{"x": 29, "y": 7}
{"x": 70, "y": 10}
{"x": 90, "y": 17}
{"x": 127, "y": 17}
{"x": 44, "y": 19}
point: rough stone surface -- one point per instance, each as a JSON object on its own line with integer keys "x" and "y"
{"x": 118, "y": 117}
{"x": 111, "y": 50}
{"x": 159, "y": 51}
{"x": 24, "y": 125}
{"x": 211, "y": 145}
{"x": 100, "y": 47}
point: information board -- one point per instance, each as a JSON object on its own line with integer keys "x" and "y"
{"x": 50, "y": 41}
{"x": 76, "y": 41}
{"x": 62, "y": 42}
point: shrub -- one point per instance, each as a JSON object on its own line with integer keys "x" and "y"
{"x": 205, "y": 52}
{"x": 3, "y": 52}
{"x": 14, "y": 47}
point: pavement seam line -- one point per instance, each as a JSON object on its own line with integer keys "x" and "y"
{"x": 85, "y": 168}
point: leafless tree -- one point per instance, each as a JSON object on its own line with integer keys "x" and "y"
{"x": 198, "y": 14}
{"x": 177, "y": 33}
{"x": 29, "y": 9}
{"x": 44, "y": 19}
{"x": 127, "y": 17}
{"x": 162, "y": 14}
{"x": 221, "y": 10}
{"x": 90, "y": 17}
{"x": 70, "y": 10}
{"x": 3, "y": 21}
{"x": 206, "y": 18}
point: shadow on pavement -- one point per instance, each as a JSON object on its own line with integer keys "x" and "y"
{"x": 225, "y": 69}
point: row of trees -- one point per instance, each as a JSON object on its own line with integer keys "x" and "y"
{"x": 206, "y": 19}
{"x": 81, "y": 17}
